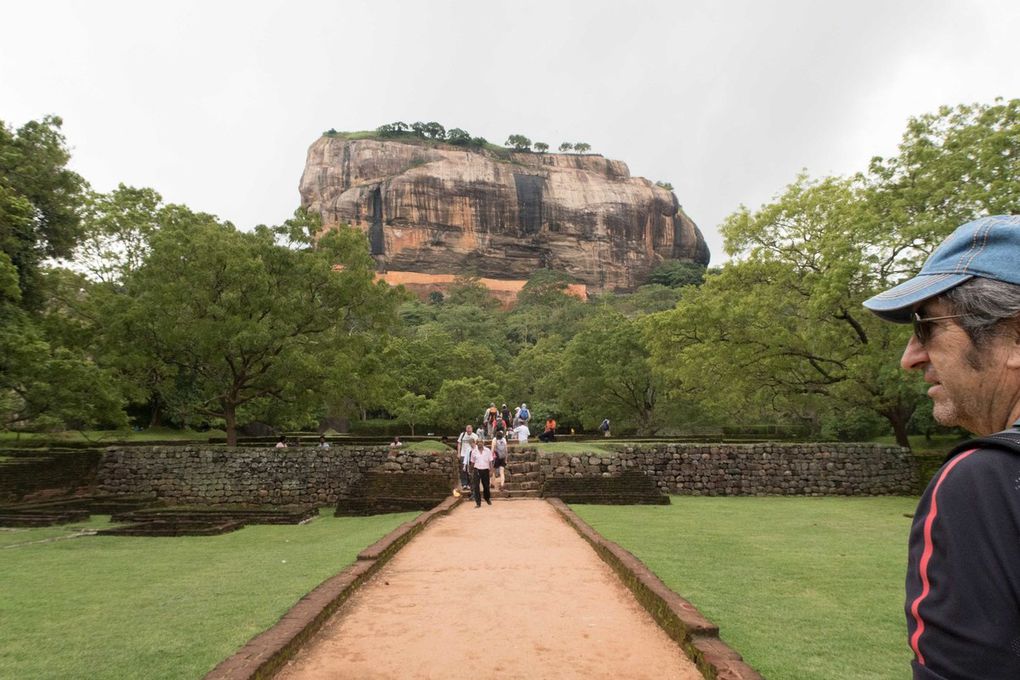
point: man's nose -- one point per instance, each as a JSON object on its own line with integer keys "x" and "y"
{"x": 914, "y": 355}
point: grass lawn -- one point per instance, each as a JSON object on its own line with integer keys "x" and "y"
{"x": 426, "y": 446}
{"x": 802, "y": 588}
{"x": 127, "y": 607}
{"x": 569, "y": 448}
{"x": 103, "y": 436}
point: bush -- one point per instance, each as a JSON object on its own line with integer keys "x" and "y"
{"x": 853, "y": 425}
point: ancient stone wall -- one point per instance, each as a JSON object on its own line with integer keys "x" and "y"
{"x": 204, "y": 474}
{"x": 28, "y": 473}
{"x": 754, "y": 469}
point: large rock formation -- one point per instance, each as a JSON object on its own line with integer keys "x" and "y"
{"x": 441, "y": 209}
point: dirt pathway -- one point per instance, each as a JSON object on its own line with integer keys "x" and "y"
{"x": 501, "y": 591}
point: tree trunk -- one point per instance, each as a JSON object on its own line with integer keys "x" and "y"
{"x": 899, "y": 416}
{"x": 156, "y": 418}
{"x": 900, "y": 428}
{"x": 230, "y": 423}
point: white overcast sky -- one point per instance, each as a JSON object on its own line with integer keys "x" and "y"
{"x": 214, "y": 104}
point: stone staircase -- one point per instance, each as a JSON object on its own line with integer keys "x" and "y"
{"x": 523, "y": 476}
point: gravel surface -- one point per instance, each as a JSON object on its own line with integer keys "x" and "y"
{"x": 502, "y": 591}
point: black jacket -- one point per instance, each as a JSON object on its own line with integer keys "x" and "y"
{"x": 963, "y": 571}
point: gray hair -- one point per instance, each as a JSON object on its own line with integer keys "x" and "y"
{"x": 985, "y": 305}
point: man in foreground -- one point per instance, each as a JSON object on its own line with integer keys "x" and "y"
{"x": 963, "y": 571}
{"x": 481, "y": 463}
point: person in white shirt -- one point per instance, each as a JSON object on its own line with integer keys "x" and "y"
{"x": 522, "y": 433}
{"x": 465, "y": 442}
{"x": 481, "y": 461}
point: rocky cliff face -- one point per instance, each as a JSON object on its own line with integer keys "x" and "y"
{"x": 442, "y": 209}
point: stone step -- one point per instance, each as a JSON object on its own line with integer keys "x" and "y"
{"x": 520, "y": 476}
{"x": 515, "y": 486}
{"x": 523, "y": 455}
{"x": 524, "y": 467}
{"x": 511, "y": 495}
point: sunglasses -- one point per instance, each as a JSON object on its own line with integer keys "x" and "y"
{"x": 923, "y": 326}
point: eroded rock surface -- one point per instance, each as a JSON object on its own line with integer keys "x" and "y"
{"x": 441, "y": 209}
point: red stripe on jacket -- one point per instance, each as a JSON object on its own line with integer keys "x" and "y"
{"x": 933, "y": 511}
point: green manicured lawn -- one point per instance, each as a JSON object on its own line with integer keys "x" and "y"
{"x": 425, "y": 446}
{"x": 14, "y": 536}
{"x": 126, "y": 607}
{"x": 803, "y": 588}
{"x": 103, "y": 436}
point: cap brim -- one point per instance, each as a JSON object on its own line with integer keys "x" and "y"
{"x": 897, "y": 303}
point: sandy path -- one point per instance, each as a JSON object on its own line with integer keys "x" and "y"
{"x": 502, "y": 591}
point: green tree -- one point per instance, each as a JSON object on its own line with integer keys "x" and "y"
{"x": 461, "y": 402}
{"x": 413, "y": 409}
{"x": 434, "y": 130}
{"x": 533, "y": 375}
{"x": 117, "y": 230}
{"x": 242, "y": 320}
{"x": 392, "y": 129}
{"x": 783, "y": 324}
{"x": 677, "y": 273}
{"x": 458, "y": 136}
{"x": 541, "y": 147}
{"x": 40, "y": 201}
{"x": 665, "y": 185}
{"x": 953, "y": 166}
{"x": 648, "y": 299}
{"x": 544, "y": 307}
{"x": 582, "y": 147}
{"x": 47, "y": 377}
{"x": 518, "y": 142}
{"x": 43, "y": 383}
{"x": 566, "y": 146}
{"x": 606, "y": 370}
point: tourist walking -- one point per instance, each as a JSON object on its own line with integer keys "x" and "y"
{"x": 491, "y": 415}
{"x": 481, "y": 464}
{"x": 524, "y": 414}
{"x": 605, "y": 427}
{"x": 465, "y": 442}
{"x": 499, "y": 461}
{"x": 963, "y": 561}
{"x": 521, "y": 432}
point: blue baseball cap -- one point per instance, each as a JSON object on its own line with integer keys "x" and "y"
{"x": 988, "y": 247}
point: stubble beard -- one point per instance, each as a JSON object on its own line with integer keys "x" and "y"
{"x": 952, "y": 410}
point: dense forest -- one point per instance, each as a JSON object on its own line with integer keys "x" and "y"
{"x": 118, "y": 309}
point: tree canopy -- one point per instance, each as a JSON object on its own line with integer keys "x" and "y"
{"x": 115, "y": 303}
{"x": 240, "y": 319}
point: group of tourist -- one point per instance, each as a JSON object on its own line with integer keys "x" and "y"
{"x": 483, "y": 454}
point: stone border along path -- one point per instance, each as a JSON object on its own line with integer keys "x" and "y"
{"x": 506, "y": 591}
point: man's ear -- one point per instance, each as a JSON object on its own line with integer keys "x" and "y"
{"x": 1013, "y": 345}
